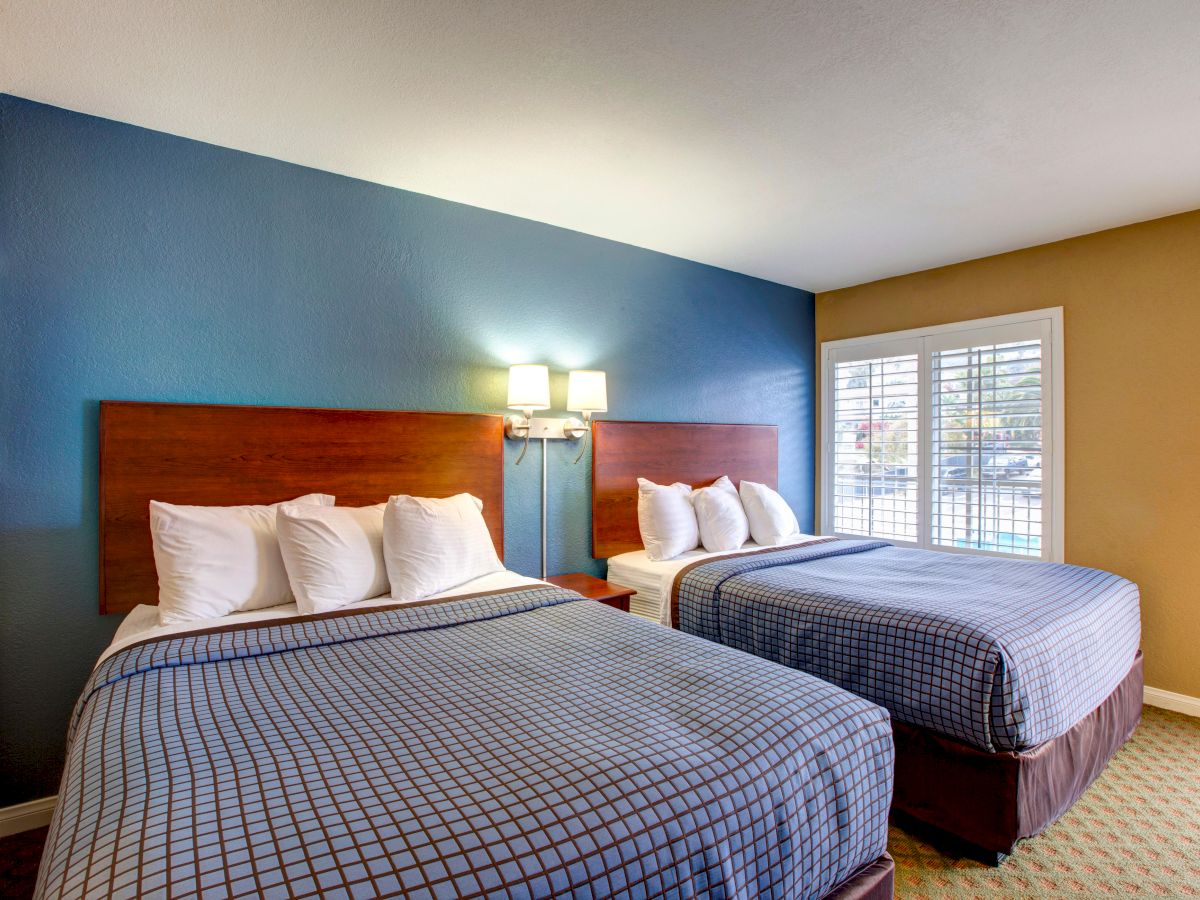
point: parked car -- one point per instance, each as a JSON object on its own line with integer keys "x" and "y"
{"x": 995, "y": 466}
{"x": 963, "y": 466}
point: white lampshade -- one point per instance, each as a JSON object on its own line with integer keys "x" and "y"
{"x": 587, "y": 391}
{"x": 528, "y": 387}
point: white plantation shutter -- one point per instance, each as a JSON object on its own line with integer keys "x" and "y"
{"x": 986, "y": 449}
{"x": 876, "y": 444}
{"x": 946, "y": 438}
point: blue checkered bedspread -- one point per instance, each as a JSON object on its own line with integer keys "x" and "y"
{"x": 523, "y": 744}
{"x": 1003, "y": 654}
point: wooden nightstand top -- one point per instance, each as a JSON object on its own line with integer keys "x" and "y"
{"x": 595, "y": 589}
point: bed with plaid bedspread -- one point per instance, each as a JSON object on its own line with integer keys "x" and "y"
{"x": 522, "y": 744}
{"x": 1000, "y": 653}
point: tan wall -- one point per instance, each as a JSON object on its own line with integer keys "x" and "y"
{"x": 1131, "y": 309}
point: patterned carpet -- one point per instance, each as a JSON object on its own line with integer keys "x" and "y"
{"x": 1136, "y": 831}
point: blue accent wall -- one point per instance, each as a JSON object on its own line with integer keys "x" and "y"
{"x": 138, "y": 265}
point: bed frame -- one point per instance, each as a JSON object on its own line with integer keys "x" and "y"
{"x": 229, "y": 455}
{"x": 977, "y": 803}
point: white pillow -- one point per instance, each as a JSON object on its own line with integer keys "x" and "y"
{"x": 333, "y": 554}
{"x": 771, "y": 519}
{"x": 719, "y": 513}
{"x": 666, "y": 519}
{"x": 430, "y": 546}
{"x": 217, "y": 560}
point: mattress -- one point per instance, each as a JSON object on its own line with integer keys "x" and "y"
{"x": 526, "y": 742}
{"x": 652, "y": 578}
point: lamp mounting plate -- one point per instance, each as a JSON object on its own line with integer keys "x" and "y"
{"x": 544, "y": 429}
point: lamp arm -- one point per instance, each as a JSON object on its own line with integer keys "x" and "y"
{"x": 525, "y": 447}
{"x": 587, "y": 430}
{"x": 515, "y": 425}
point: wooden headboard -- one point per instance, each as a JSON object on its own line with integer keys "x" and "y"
{"x": 666, "y": 452}
{"x": 231, "y": 455}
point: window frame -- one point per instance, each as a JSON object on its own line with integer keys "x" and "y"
{"x": 1053, "y": 436}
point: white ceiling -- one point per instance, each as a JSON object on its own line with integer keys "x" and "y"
{"x": 818, "y": 144}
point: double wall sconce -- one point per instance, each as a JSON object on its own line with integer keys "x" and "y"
{"x": 529, "y": 392}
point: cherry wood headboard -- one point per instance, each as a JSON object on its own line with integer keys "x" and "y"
{"x": 666, "y": 452}
{"x": 230, "y": 455}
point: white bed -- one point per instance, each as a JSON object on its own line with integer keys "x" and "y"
{"x": 142, "y": 621}
{"x": 652, "y": 578}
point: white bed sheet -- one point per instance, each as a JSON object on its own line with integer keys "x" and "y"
{"x": 652, "y": 578}
{"x": 142, "y": 621}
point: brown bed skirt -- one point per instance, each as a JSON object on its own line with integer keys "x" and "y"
{"x": 992, "y": 800}
{"x": 874, "y": 881}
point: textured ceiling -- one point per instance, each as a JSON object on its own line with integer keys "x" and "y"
{"x": 818, "y": 144}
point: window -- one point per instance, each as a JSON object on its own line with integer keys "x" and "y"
{"x": 876, "y": 434}
{"x": 948, "y": 438}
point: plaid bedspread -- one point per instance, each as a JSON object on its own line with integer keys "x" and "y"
{"x": 1003, "y": 654}
{"x": 522, "y": 744}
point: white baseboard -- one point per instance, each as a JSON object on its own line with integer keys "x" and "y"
{"x": 1170, "y": 700}
{"x": 24, "y": 816}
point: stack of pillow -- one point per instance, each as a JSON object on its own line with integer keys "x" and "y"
{"x": 674, "y": 519}
{"x": 216, "y": 560}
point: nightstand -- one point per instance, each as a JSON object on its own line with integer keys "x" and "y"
{"x": 595, "y": 589}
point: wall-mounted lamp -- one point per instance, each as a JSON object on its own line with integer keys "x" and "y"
{"x": 587, "y": 393}
{"x": 529, "y": 391}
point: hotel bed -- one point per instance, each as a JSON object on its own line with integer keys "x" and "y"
{"x": 509, "y": 739}
{"x": 1011, "y": 683}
